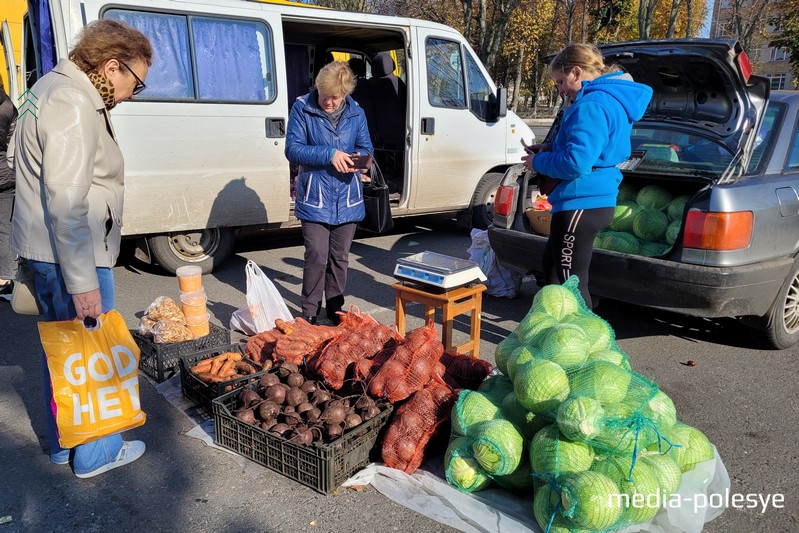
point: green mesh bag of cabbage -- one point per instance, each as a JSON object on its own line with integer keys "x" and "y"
{"x": 490, "y": 432}
{"x": 494, "y": 441}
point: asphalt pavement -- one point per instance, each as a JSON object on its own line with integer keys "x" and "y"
{"x": 744, "y": 398}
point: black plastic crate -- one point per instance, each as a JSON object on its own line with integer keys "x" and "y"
{"x": 203, "y": 393}
{"x": 162, "y": 361}
{"x": 322, "y": 467}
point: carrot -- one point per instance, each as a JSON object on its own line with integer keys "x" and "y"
{"x": 217, "y": 363}
{"x": 227, "y": 368}
{"x": 210, "y": 378}
{"x": 233, "y": 356}
{"x": 244, "y": 367}
{"x": 202, "y": 366}
{"x": 221, "y": 357}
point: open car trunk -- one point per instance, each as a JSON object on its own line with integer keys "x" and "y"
{"x": 658, "y": 232}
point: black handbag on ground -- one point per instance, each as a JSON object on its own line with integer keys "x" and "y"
{"x": 377, "y": 203}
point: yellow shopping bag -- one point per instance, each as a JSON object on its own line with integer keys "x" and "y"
{"x": 94, "y": 373}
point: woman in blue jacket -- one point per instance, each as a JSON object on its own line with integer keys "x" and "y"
{"x": 594, "y": 137}
{"x": 325, "y": 127}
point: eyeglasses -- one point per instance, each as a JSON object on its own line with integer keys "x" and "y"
{"x": 140, "y": 86}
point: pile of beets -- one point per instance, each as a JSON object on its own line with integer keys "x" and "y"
{"x": 286, "y": 404}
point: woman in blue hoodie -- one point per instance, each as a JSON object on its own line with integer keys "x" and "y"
{"x": 594, "y": 136}
{"x": 325, "y": 127}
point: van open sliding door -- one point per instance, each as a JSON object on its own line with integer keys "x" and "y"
{"x": 457, "y": 143}
{"x": 203, "y": 144}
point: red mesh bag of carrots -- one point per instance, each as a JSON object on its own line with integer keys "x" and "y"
{"x": 413, "y": 425}
{"x": 260, "y": 347}
{"x": 462, "y": 371}
{"x": 301, "y": 340}
{"x": 349, "y": 347}
{"x": 410, "y": 367}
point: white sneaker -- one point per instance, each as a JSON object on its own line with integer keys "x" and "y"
{"x": 131, "y": 450}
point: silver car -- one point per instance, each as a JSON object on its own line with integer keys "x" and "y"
{"x": 713, "y": 134}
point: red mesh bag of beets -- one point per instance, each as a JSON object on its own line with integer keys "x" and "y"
{"x": 411, "y": 366}
{"x": 414, "y": 423}
{"x": 367, "y": 368}
{"x": 349, "y": 347}
{"x": 463, "y": 371}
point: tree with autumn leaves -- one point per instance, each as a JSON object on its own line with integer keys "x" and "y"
{"x": 513, "y": 37}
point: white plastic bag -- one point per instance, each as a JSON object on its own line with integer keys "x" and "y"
{"x": 264, "y": 304}
{"x": 502, "y": 282}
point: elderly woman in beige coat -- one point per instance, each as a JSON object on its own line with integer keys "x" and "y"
{"x": 69, "y": 197}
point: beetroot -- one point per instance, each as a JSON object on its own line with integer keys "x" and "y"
{"x": 333, "y": 431}
{"x": 280, "y": 429}
{"x": 245, "y": 415}
{"x": 268, "y": 409}
{"x": 302, "y": 435}
{"x": 334, "y": 414}
{"x": 276, "y": 393}
{"x": 303, "y": 407}
{"x": 320, "y": 396}
{"x": 295, "y": 379}
{"x": 295, "y": 397}
{"x": 308, "y": 386}
{"x": 370, "y": 413}
{"x": 352, "y": 420}
{"x": 248, "y": 398}
{"x": 267, "y": 380}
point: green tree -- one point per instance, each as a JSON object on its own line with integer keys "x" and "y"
{"x": 786, "y": 31}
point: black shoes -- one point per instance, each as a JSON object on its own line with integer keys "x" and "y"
{"x": 335, "y": 318}
{"x": 310, "y": 319}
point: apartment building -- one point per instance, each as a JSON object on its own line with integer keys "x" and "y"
{"x": 771, "y": 62}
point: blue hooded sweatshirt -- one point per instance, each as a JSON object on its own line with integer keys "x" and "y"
{"x": 593, "y": 138}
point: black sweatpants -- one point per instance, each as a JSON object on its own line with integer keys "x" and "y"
{"x": 571, "y": 243}
{"x": 324, "y": 273}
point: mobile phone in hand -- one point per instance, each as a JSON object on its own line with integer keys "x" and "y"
{"x": 361, "y": 161}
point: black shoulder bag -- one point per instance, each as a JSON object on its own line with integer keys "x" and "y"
{"x": 377, "y": 203}
{"x": 546, "y": 184}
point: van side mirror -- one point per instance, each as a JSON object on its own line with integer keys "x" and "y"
{"x": 499, "y": 104}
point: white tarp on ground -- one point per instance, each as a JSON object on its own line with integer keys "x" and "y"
{"x": 493, "y": 510}
{"x": 497, "y": 510}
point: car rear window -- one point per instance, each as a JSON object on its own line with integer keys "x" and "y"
{"x": 767, "y": 136}
{"x": 679, "y": 153}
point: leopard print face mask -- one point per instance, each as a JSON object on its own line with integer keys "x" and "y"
{"x": 103, "y": 87}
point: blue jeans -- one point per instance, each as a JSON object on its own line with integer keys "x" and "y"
{"x": 8, "y": 259}
{"x": 56, "y": 303}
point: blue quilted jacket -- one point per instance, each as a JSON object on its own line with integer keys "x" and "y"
{"x": 324, "y": 194}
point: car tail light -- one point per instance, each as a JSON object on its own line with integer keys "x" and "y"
{"x": 718, "y": 231}
{"x": 745, "y": 66}
{"x": 503, "y": 202}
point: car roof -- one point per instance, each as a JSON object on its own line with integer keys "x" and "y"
{"x": 784, "y": 95}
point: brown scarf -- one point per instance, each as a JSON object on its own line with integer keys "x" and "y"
{"x": 103, "y": 87}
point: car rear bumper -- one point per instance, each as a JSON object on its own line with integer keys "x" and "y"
{"x": 683, "y": 288}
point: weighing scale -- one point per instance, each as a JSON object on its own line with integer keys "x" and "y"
{"x": 438, "y": 270}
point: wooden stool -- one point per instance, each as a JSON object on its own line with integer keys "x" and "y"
{"x": 452, "y": 303}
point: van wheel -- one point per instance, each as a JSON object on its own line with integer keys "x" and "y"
{"x": 483, "y": 200}
{"x": 206, "y": 248}
{"x": 782, "y": 330}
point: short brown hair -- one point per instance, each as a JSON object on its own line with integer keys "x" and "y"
{"x": 583, "y": 55}
{"x": 336, "y": 79}
{"x": 106, "y": 39}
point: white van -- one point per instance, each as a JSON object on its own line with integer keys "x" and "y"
{"x": 203, "y": 144}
